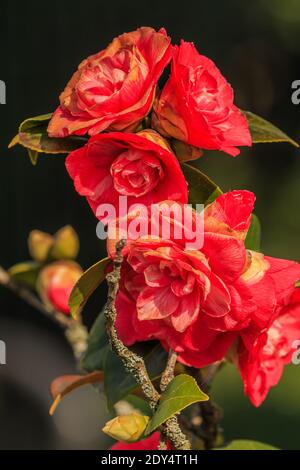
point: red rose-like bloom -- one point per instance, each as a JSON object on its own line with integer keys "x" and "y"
{"x": 263, "y": 355}
{"x": 196, "y": 105}
{"x": 114, "y": 89}
{"x": 140, "y": 166}
{"x": 266, "y": 287}
{"x": 194, "y": 301}
{"x": 199, "y": 301}
{"x": 150, "y": 443}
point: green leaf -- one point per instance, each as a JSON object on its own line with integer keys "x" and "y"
{"x": 25, "y": 273}
{"x": 201, "y": 189}
{"x": 118, "y": 383}
{"x": 247, "y": 445}
{"x": 263, "y": 131}
{"x": 33, "y": 156}
{"x": 98, "y": 346}
{"x": 86, "y": 285}
{"x": 253, "y": 238}
{"x": 297, "y": 283}
{"x": 33, "y": 136}
{"x": 180, "y": 393}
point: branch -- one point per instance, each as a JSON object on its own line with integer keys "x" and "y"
{"x": 31, "y": 299}
{"x": 171, "y": 429}
{"x": 162, "y": 442}
{"x": 168, "y": 373}
{"x": 75, "y": 331}
{"x": 135, "y": 364}
{"x": 132, "y": 361}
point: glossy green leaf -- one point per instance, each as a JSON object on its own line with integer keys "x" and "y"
{"x": 263, "y": 131}
{"x": 86, "y": 285}
{"x": 253, "y": 238}
{"x": 118, "y": 383}
{"x": 182, "y": 392}
{"x": 33, "y": 136}
{"x": 201, "y": 189}
{"x": 247, "y": 445}
{"x": 98, "y": 346}
{"x": 25, "y": 273}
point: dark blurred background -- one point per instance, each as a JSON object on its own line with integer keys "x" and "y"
{"x": 257, "y": 46}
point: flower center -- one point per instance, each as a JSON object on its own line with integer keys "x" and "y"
{"x": 135, "y": 173}
{"x": 165, "y": 289}
{"x": 102, "y": 80}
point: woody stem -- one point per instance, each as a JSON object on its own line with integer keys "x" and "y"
{"x": 135, "y": 363}
{"x": 132, "y": 361}
{"x": 75, "y": 331}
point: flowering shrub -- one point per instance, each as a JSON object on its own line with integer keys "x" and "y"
{"x": 178, "y": 306}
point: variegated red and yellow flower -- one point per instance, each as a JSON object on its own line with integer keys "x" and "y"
{"x": 113, "y": 89}
{"x": 202, "y": 302}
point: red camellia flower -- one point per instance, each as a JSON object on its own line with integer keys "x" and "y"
{"x": 139, "y": 166}
{"x": 196, "y": 105}
{"x": 114, "y": 89}
{"x": 172, "y": 293}
{"x": 150, "y": 443}
{"x": 199, "y": 301}
{"x": 262, "y": 355}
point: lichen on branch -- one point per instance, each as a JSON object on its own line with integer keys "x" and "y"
{"x": 135, "y": 364}
{"x": 132, "y": 361}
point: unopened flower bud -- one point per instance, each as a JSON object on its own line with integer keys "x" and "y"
{"x": 55, "y": 284}
{"x": 39, "y": 244}
{"x": 127, "y": 428}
